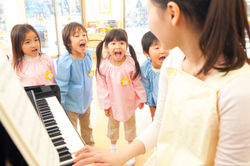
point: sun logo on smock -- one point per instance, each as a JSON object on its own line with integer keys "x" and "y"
{"x": 91, "y": 73}
{"x": 49, "y": 75}
{"x": 125, "y": 81}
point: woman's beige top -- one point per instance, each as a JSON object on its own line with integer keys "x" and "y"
{"x": 200, "y": 122}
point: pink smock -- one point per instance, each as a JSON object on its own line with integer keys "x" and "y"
{"x": 39, "y": 71}
{"x": 117, "y": 89}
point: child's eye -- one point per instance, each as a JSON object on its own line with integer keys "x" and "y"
{"x": 76, "y": 34}
{"x": 27, "y": 42}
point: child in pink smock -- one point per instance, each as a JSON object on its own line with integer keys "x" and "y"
{"x": 120, "y": 91}
{"x": 31, "y": 66}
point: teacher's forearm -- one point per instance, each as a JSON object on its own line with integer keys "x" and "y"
{"x": 134, "y": 149}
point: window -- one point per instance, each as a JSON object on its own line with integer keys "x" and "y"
{"x": 2, "y": 24}
{"x": 48, "y": 23}
{"x": 2, "y": 20}
{"x": 40, "y": 14}
{"x": 67, "y": 11}
{"x": 136, "y": 21}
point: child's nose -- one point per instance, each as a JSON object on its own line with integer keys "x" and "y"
{"x": 165, "y": 52}
{"x": 118, "y": 45}
{"x": 33, "y": 44}
{"x": 83, "y": 37}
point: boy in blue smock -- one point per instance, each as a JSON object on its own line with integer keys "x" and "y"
{"x": 150, "y": 69}
{"x": 74, "y": 77}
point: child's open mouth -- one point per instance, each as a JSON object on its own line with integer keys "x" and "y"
{"x": 34, "y": 50}
{"x": 118, "y": 54}
{"x": 82, "y": 45}
{"x": 162, "y": 58}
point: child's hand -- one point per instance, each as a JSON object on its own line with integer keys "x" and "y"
{"x": 107, "y": 112}
{"x": 141, "y": 105}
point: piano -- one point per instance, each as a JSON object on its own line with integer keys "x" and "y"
{"x": 34, "y": 128}
{"x": 46, "y": 101}
{"x": 66, "y": 140}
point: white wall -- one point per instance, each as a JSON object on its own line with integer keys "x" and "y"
{"x": 93, "y": 14}
{"x": 14, "y": 12}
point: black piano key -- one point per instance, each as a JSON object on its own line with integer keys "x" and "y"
{"x": 68, "y": 164}
{"x": 53, "y": 131}
{"x": 41, "y": 104}
{"x": 43, "y": 116}
{"x": 46, "y": 113}
{"x": 62, "y": 153}
{"x": 43, "y": 108}
{"x": 52, "y": 128}
{"x": 49, "y": 121}
{"x": 47, "y": 117}
{"x": 57, "y": 133}
{"x": 62, "y": 149}
{"x": 57, "y": 139}
{"x": 50, "y": 124}
{"x": 41, "y": 100}
{"x": 65, "y": 157}
{"x": 55, "y": 128}
{"x": 59, "y": 143}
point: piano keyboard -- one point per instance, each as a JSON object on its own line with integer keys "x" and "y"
{"x": 60, "y": 129}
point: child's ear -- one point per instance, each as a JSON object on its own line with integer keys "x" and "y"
{"x": 174, "y": 12}
{"x": 104, "y": 51}
{"x": 146, "y": 54}
{"x": 69, "y": 45}
{"x": 105, "y": 47}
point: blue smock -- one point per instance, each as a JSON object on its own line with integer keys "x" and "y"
{"x": 74, "y": 77}
{"x": 150, "y": 81}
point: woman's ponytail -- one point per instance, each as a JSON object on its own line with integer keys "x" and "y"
{"x": 224, "y": 34}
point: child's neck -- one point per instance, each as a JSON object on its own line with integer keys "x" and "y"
{"x": 30, "y": 58}
{"x": 77, "y": 56}
{"x": 156, "y": 69}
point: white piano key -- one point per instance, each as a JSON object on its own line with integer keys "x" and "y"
{"x": 70, "y": 135}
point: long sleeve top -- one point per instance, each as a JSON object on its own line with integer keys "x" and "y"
{"x": 117, "y": 89}
{"x": 74, "y": 77}
{"x": 36, "y": 71}
{"x": 234, "y": 110}
{"x": 150, "y": 81}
